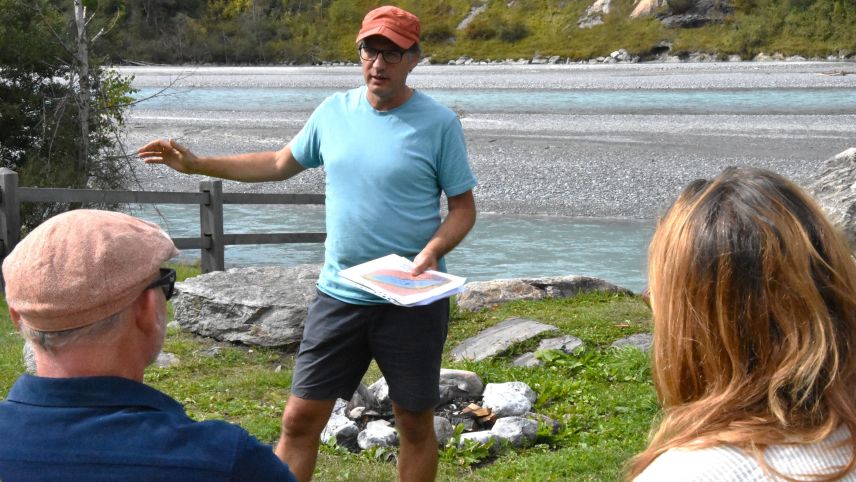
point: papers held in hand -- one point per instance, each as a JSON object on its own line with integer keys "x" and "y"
{"x": 389, "y": 277}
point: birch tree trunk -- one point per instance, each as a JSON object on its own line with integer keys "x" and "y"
{"x": 84, "y": 96}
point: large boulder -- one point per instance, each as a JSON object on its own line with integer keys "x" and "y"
{"x": 484, "y": 294}
{"x": 263, "y": 306}
{"x": 645, "y": 7}
{"x": 594, "y": 14}
{"x": 834, "y": 187}
{"x": 695, "y": 13}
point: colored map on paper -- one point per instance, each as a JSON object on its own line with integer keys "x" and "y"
{"x": 403, "y": 283}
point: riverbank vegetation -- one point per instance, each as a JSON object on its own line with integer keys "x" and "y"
{"x": 307, "y": 32}
{"x": 62, "y": 110}
{"x": 603, "y": 397}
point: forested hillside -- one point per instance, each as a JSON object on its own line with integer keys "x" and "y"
{"x": 312, "y": 31}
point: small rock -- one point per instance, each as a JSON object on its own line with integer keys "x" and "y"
{"x": 341, "y": 430}
{"x": 357, "y": 413}
{"x": 211, "y": 351}
{"x": 640, "y": 341}
{"x": 380, "y": 391}
{"x": 518, "y": 431}
{"x": 443, "y": 429}
{"x": 507, "y": 399}
{"x": 459, "y": 384}
{"x": 545, "y": 420}
{"x": 362, "y": 397}
{"x": 567, "y": 344}
{"x": 527, "y": 360}
{"x": 482, "y": 437}
{"x": 166, "y": 360}
{"x": 377, "y": 434}
{"x": 340, "y": 407}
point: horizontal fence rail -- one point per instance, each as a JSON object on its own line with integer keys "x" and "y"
{"x": 210, "y": 198}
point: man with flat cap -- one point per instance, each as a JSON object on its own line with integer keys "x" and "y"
{"x": 388, "y": 152}
{"x": 87, "y": 290}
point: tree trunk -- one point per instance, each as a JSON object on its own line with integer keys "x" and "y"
{"x": 84, "y": 95}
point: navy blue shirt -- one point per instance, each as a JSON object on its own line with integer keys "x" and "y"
{"x": 109, "y": 428}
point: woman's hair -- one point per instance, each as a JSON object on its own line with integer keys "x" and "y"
{"x": 754, "y": 299}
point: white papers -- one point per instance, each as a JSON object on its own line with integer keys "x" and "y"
{"x": 389, "y": 277}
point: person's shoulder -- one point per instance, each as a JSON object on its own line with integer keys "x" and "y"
{"x": 711, "y": 464}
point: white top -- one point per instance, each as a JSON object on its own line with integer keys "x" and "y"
{"x": 727, "y": 463}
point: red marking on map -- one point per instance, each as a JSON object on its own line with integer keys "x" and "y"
{"x": 403, "y": 283}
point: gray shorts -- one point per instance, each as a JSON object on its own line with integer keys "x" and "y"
{"x": 340, "y": 339}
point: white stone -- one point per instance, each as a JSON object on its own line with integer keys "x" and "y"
{"x": 482, "y": 438}
{"x": 377, "y": 434}
{"x": 518, "y": 431}
{"x": 341, "y": 430}
{"x": 506, "y": 399}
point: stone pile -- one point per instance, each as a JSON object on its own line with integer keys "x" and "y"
{"x": 498, "y": 412}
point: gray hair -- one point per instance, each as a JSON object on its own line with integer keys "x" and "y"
{"x": 53, "y": 340}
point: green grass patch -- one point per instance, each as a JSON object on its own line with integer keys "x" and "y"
{"x": 603, "y": 397}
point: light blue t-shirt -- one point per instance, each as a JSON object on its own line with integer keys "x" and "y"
{"x": 384, "y": 175}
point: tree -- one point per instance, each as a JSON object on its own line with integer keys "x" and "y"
{"x": 60, "y": 111}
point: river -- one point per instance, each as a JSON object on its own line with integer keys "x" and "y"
{"x": 574, "y": 161}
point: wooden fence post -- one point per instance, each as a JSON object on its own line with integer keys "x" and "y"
{"x": 10, "y": 211}
{"x": 211, "y": 227}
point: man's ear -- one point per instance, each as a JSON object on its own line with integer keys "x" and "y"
{"x": 146, "y": 310}
{"x": 16, "y": 318}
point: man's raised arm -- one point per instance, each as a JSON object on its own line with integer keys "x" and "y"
{"x": 250, "y": 167}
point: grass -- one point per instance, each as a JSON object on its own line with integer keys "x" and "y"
{"x": 603, "y": 397}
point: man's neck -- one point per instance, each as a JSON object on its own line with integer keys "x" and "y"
{"x": 382, "y": 105}
{"x": 72, "y": 365}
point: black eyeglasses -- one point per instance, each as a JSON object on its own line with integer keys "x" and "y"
{"x": 166, "y": 282}
{"x": 389, "y": 56}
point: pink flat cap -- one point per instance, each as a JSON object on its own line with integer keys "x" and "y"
{"x": 399, "y": 26}
{"x": 82, "y": 266}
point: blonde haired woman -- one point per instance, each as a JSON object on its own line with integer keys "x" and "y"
{"x": 754, "y": 356}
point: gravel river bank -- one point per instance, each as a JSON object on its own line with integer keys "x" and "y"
{"x": 614, "y": 164}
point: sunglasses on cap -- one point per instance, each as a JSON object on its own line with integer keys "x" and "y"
{"x": 166, "y": 282}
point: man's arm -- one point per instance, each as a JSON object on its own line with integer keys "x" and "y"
{"x": 459, "y": 221}
{"x": 252, "y": 167}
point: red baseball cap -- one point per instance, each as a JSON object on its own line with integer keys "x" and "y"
{"x": 399, "y": 26}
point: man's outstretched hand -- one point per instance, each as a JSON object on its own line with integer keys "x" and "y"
{"x": 170, "y": 153}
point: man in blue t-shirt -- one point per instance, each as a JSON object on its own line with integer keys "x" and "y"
{"x": 87, "y": 290}
{"x": 389, "y": 153}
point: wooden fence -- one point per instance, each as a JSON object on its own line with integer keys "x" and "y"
{"x": 210, "y": 198}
